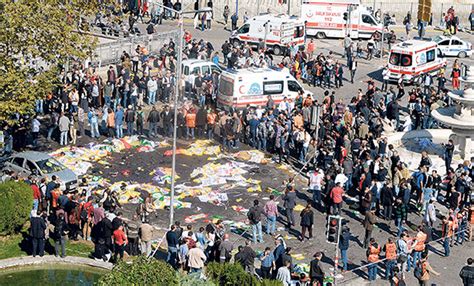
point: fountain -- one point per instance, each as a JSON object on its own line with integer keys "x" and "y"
{"x": 461, "y": 116}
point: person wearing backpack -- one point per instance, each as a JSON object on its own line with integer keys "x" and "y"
{"x": 423, "y": 270}
{"x": 254, "y": 216}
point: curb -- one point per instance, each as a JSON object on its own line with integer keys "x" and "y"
{"x": 51, "y": 259}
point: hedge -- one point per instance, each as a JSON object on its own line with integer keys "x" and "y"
{"x": 141, "y": 271}
{"x": 224, "y": 274}
{"x": 16, "y": 202}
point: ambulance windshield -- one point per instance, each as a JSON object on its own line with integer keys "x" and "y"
{"x": 398, "y": 59}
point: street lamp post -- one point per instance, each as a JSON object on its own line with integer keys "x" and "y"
{"x": 177, "y": 82}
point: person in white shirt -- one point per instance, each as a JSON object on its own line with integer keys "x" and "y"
{"x": 284, "y": 274}
{"x": 152, "y": 87}
{"x": 315, "y": 184}
{"x": 283, "y": 106}
{"x": 35, "y": 129}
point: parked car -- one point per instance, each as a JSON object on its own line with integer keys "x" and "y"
{"x": 453, "y": 46}
{"x": 194, "y": 66}
{"x": 41, "y": 165}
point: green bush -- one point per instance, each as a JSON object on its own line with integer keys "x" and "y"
{"x": 141, "y": 271}
{"x": 16, "y": 202}
{"x": 193, "y": 280}
{"x": 230, "y": 274}
{"x": 267, "y": 282}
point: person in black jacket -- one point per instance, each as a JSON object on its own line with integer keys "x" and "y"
{"x": 316, "y": 273}
{"x": 153, "y": 119}
{"x": 467, "y": 273}
{"x": 106, "y": 232}
{"x": 344, "y": 239}
{"x": 167, "y": 119}
{"x": 60, "y": 234}
{"x": 37, "y": 232}
{"x": 172, "y": 240}
{"x": 201, "y": 120}
{"x": 307, "y": 221}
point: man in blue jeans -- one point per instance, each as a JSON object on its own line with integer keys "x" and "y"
{"x": 344, "y": 246}
{"x": 315, "y": 181}
{"x": 271, "y": 211}
{"x": 172, "y": 239}
{"x": 254, "y": 216}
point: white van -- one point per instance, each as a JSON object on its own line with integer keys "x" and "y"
{"x": 238, "y": 88}
{"x": 278, "y": 32}
{"x": 411, "y": 59}
{"x": 336, "y": 18}
{"x": 194, "y": 66}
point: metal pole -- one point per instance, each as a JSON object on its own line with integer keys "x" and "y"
{"x": 237, "y": 7}
{"x": 258, "y": 7}
{"x": 383, "y": 32}
{"x": 175, "y": 120}
{"x": 265, "y": 38}
{"x": 289, "y": 7}
{"x": 336, "y": 257}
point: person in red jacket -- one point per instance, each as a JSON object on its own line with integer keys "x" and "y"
{"x": 36, "y": 194}
{"x": 120, "y": 240}
{"x": 336, "y": 198}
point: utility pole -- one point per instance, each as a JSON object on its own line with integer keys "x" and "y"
{"x": 237, "y": 7}
{"x": 383, "y": 32}
{"x": 289, "y": 7}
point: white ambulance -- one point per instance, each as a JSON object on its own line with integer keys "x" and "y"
{"x": 252, "y": 86}
{"x": 411, "y": 59}
{"x": 325, "y": 19}
{"x": 278, "y": 32}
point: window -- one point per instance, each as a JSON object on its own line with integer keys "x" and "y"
{"x": 226, "y": 87}
{"x": 205, "y": 70}
{"x": 48, "y": 166}
{"x": 398, "y": 59}
{"x": 244, "y": 29}
{"x": 186, "y": 70}
{"x": 299, "y": 32}
{"x": 430, "y": 55}
{"x": 293, "y": 86}
{"x": 196, "y": 70}
{"x": 368, "y": 20}
{"x": 18, "y": 161}
{"x": 456, "y": 43}
{"x": 31, "y": 166}
{"x": 444, "y": 43}
{"x": 272, "y": 87}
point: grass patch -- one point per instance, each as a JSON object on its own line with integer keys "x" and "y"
{"x": 19, "y": 245}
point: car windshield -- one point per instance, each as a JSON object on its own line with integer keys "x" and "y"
{"x": 49, "y": 166}
{"x": 437, "y": 39}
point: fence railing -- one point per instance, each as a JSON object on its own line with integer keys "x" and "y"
{"x": 109, "y": 53}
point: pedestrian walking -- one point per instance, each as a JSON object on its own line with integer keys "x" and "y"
{"x": 306, "y": 222}
{"x": 254, "y": 216}
{"x": 289, "y": 203}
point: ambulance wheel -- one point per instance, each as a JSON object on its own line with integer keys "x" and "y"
{"x": 462, "y": 55}
{"x": 320, "y": 35}
{"x": 236, "y": 43}
{"x": 276, "y": 50}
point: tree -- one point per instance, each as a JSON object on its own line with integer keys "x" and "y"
{"x": 141, "y": 271}
{"x": 37, "y": 38}
{"x": 16, "y": 201}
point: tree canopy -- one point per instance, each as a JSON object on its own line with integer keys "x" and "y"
{"x": 37, "y": 37}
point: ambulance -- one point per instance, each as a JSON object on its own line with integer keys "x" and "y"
{"x": 411, "y": 59}
{"x": 337, "y": 18}
{"x": 252, "y": 86}
{"x": 278, "y": 32}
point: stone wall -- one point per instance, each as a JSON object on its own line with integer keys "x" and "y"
{"x": 397, "y": 7}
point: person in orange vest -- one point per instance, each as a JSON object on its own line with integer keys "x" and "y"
{"x": 418, "y": 246}
{"x": 390, "y": 249}
{"x": 190, "y": 123}
{"x": 211, "y": 123}
{"x": 373, "y": 253}
{"x": 447, "y": 233}
{"x": 424, "y": 270}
